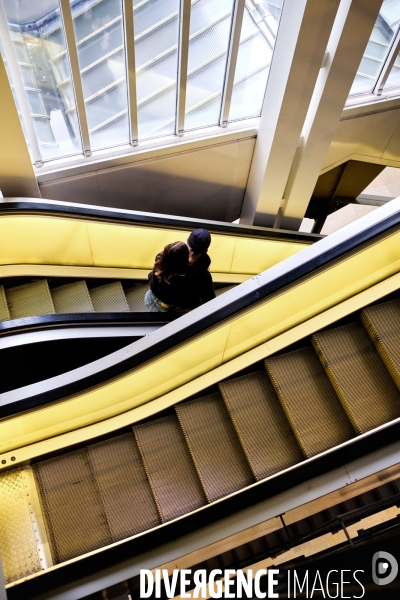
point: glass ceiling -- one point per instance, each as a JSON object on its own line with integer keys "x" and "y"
{"x": 69, "y": 75}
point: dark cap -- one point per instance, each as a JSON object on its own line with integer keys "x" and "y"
{"x": 199, "y": 241}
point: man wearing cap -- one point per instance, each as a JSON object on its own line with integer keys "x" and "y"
{"x": 201, "y": 281}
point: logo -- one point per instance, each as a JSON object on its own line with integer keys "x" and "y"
{"x": 384, "y": 568}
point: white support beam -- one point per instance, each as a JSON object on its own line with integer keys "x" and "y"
{"x": 76, "y": 74}
{"x": 347, "y": 43}
{"x": 17, "y": 177}
{"x": 301, "y": 43}
{"x": 131, "y": 72}
{"x": 236, "y": 29}
{"x": 183, "y": 59}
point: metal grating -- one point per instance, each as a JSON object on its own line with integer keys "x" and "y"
{"x": 123, "y": 486}
{"x": 360, "y": 379}
{"x": 109, "y": 298}
{"x": 4, "y": 312}
{"x": 135, "y": 297}
{"x": 214, "y": 445}
{"x": 72, "y": 298}
{"x": 74, "y": 512}
{"x": 261, "y": 424}
{"x": 382, "y": 323}
{"x": 30, "y": 299}
{"x": 309, "y": 401}
{"x": 169, "y": 467}
{"x": 18, "y": 548}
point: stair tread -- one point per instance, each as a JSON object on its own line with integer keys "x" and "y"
{"x": 30, "y": 299}
{"x": 4, "y": 312}
{"x": 124, "y": 489}
{"x": 135, "y": 297}
{"x": 382, "y": 323}
{"x": 72, "y": 505}
{"x": 72, "y": 298}
{"x": 169, "y": 467}
{"x": 361, "y": 381}
{"x": 214, "y": 446}
{"x": 309, "y": 401}
{"x": 109, "y": 297}
{"x": 261, "y": 424}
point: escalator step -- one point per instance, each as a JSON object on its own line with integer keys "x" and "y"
{"x": 214, "y": 446}
{"x": 109, "y": 298}
{"x": 309, "y": 401}
{"x": 30, "y": 299}
{"x": 261, "y": 424}
{"x": 135, "y": 297}
{"x": 72, "y": 505}
{"x": 169, "y": 467}
{"x": 360, "y": 379}
{"x": 72, "y": 298}
{"x": 382, "y": 323}
{"x": 4, "y": 312}
{"x": 123, "y": 486}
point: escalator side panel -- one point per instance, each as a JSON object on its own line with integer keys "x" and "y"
{"x": 124, "y": 490}
{"x": 214, "y": 446}
{"x": 309, "y": 401}
{"x": 358, "y": 375}
{"x": 169, "y": 467}
{"x": 260, "y": 423}
{"x": 74, "y": 512}
{"x": 382, "y": 323}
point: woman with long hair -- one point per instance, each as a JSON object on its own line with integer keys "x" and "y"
{"x": 168, "y": 279}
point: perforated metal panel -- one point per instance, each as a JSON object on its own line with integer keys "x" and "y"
{"x": 170, "y": 469}
{"x": 135, "y": 297}
{"x": 30, "y": 299}
{"x": 309, "y": 401}
{"x": 4, "y": 312}
{"x": 109, "y": 298}
{"x": 214, "y": 445}
{"x": 123, "y": 486}
{"x": 74, "y": 512}
{"x": 261, "y": 425}
{"x": 382, "y": 323}
{"x": 72, "y": 298}
{"x": 18, "y": 549}
{"x": 363, "y": 384}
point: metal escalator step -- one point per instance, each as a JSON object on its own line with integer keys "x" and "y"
{"x": 72, "y": 298}
{"x": 214, "y": 446}
{"x": 135, "y": 297}
{"x": 124, "y": 489}
{"x": 18, "y": 549}
{"x": 309, "y": 401}
{"x": 72, "y": 505}
{"x": 360, "y": 379}
{"x": 260, "y": 423}
{"x": 4, "y": 312}
{"x": 382, "y": 323}
{"x": 109, "y": 298}
{"x": 169, "y": 467}
{"x": 30, "y": 299}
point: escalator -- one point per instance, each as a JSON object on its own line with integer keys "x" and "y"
{"x": 283, "y": 378}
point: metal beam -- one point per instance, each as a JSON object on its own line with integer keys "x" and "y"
{"x": 234, "y": 40}
{"x": 131, "y": 72}
{"x": 17, "y": 177}
{"x": 75, "y": 74}
{"x": 183, "y": 54}
{"x": 349, "y": 37}
{"x": 19, "y": 89}
{"x": 388, "y": 64}
{"x": 300, "y": 48}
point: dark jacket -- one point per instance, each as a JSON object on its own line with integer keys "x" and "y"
{"x": 186, "y": 291}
